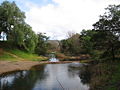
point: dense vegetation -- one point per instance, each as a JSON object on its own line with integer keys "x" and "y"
{"x": 16, "y": 33}
{"x": 101, "y": 42}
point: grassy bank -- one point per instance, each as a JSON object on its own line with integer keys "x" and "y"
{"x": 105, "y": 76}
{"x": 15, "y": 54}
{"x": 6, "y": 56}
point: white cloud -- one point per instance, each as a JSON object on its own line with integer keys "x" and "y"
{"x": 57, "y": 20}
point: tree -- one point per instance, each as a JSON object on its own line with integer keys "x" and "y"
{"x": 109, "y": 24}
{"x": 71, "y": 45}
{"x": 12, "y": 23}
{"x": 65, "y": 46}
{"x": 30, "y": 39}
{"x": 10, "y": 17}
{"x": 42, "y": 45}
{"x": 87, "y": 41}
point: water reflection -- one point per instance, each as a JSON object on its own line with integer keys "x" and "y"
{"x": 85, "y": 75}
{"x": 44, "y": 77}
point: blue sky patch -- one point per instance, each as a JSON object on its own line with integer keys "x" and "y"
{"x": 22, "y": 3}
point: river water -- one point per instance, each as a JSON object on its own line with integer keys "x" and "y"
{"x": 46, "y": 77}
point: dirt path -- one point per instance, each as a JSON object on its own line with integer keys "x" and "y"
{"x": 9, "y": 66}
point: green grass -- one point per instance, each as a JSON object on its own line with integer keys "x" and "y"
{"x": 22, "y": 55}
{"x": 7, "y": 57}
{"x": 27, "y": 56}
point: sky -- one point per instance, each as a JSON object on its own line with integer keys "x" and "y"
{"x": 58, "y": 17}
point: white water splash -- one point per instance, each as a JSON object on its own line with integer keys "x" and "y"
{"x": 53, "y": 60}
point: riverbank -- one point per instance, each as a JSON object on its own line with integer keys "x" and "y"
{"x": 105, "y": 75}
{"x": 10, "y": 66}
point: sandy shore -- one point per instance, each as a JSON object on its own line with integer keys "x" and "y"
{"x": 10, "y": 66}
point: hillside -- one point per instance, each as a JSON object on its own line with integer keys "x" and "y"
{"x": 54, "y": 45}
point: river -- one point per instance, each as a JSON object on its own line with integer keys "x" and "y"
{"x": 46, "y": 77}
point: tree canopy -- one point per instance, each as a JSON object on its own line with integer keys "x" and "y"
{"x": 42, "y": 45}
{"x": 109, "y": 25}
{"x": 18, "y": 32}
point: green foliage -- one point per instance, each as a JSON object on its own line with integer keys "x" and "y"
{"x": 65, "y": 46}
{"x": 105, "y": 36}
{"x": 101, "y": 42}
{"x": 26, "y": 55}
{"x": 12, "y": 22}
{"x": 7, "y": 57}
{"x": 42, "y": 45}
{"x": 30, "y": 39}
{"x": 71, "y": 45}
{"x": 109, "y": 25}
{"x": 10, "y": 16}
{"x": 87, "y": 42}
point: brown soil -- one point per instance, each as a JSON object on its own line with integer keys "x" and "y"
{"x": 10, "y": 66}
